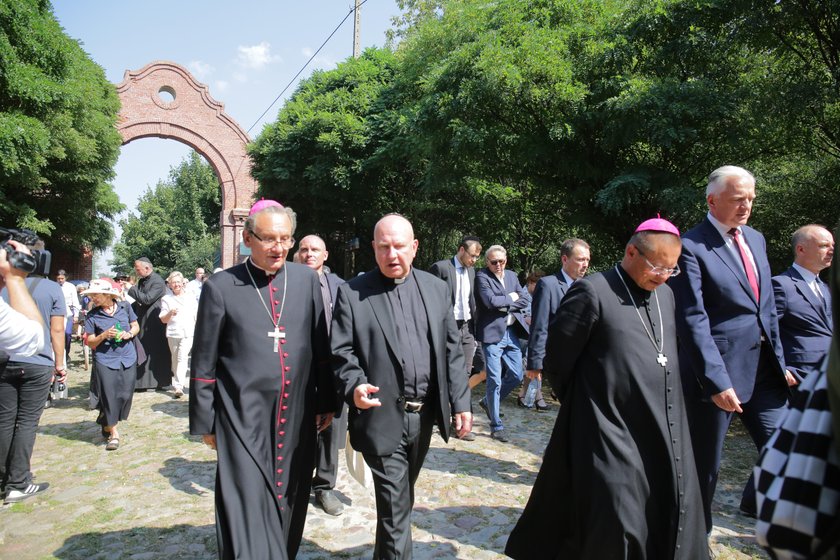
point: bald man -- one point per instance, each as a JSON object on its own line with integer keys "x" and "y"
{"x": 399, "y": 365}
{"x": 803, "y": 301}
{"x": 312, "y": 251}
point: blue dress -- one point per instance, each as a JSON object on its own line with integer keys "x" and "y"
{"x": 114, "y": 365}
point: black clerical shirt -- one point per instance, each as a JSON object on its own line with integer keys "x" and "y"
{"x": 412, "y": 326}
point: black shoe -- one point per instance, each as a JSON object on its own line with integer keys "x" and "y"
{"x": 328, "y": 502}
{"x": 14, "y": 496}
{"x": 500, "y": 435}
{"x": 749, "y": 512}
{"x": 520, "y": 403}
{"x": 542, "y": 407}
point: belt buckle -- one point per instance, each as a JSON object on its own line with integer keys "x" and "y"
{"x": 413, "y": 406}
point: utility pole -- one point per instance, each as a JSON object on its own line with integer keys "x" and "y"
{"x": 357, "y": 24}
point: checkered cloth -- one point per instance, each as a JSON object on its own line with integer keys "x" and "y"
{"x": 798, "y": 479}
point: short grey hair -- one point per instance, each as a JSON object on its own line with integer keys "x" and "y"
{"x": 495, "y": 249}
{"x": 718, "y": 177}
{"x": 249, "y": 222}
{"x": 174, "y": 275}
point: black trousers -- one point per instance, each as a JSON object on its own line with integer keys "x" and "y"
{"x": 330, "y": 442}
{"x": 394, "y": 476}
{"x": 24, "y": 389}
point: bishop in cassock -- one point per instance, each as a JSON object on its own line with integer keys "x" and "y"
{"x": 261, "y": 388}
{"x": 618, "y": 478}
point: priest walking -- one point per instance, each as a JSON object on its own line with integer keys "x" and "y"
{"x": 261, "y": 388}
{"x": 618, "y": 478}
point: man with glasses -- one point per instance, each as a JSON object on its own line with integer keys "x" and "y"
{"x": 261, "y": 388}
{"x": 730, "y": 352}
{"x": 618, "y": 478}
{"x": 501, "y": 302}
{"x": 459, "y": 273}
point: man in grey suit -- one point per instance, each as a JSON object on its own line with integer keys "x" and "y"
{"x": 803, "y": 301}
{"x": 399, "y": 366}
{"x": 459, "y": 274}
{"x": 574, "y": 256}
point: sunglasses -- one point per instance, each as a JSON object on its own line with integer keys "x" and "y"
{"x": 498, "y": 261}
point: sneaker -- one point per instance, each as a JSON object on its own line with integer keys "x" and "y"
{"x": 500, "y": 435}
{"x": 14, "y": 496}
{"x": 328, "y": 502}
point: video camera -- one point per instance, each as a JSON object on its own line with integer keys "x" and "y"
{"x": 37, "y": 263}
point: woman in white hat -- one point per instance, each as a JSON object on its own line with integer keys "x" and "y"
{"x": 110, "y": 326}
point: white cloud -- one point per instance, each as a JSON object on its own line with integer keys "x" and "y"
{"x": 255, "y": 57}
{"x": 221, "y": 85}
{"x": 319, "y": 62}
{"x": 200, "y": 69}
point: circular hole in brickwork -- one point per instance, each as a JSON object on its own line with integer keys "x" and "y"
{"x": 166, "y": 94}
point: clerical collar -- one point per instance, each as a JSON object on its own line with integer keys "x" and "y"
{"x": 267, "y": 273}
{"x": 639, "y": 293}
{"x": 395, "y": 281}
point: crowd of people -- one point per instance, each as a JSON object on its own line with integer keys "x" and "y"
{"x": 650, "y": 361}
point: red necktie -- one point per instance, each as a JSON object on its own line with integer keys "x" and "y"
{"x": 748, "y": 267}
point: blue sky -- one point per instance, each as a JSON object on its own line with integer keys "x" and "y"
{"x": 246, "y": 52}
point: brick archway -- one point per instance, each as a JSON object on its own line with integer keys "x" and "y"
{"x": 163, "y": 100}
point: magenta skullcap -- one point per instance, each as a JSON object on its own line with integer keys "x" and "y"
{"x": 261, "y": 204}
{"x": 658, "y": 224}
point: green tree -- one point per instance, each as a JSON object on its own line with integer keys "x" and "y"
{"x": 177, "y": 225}
{"x": 58, "y": 141}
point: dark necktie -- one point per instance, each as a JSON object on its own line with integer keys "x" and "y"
{"x": 745, "y": 260}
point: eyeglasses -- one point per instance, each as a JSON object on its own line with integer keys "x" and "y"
{"x": 286, "y": 242}
{"x": 660, "y": 270}
{"x": 497, "y": 261}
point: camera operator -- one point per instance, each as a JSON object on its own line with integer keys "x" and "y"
{"x": 21, "y": 326}
{"x": 26, "y": 378}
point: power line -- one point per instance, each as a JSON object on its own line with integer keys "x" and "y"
{"x": 311, "y": 58}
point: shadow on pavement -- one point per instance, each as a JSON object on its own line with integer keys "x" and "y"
{"x": 179, "y": 541}
{"x": 179, "y": 408}
{"x": 192, "y": 477}
{"x": 420, "y": 551}
{"x": 481, "y": 527}
{"x": 87, "y": 431}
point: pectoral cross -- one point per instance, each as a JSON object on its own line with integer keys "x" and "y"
{"x": 661, "y": 359}
{"x": 277, "y": 336}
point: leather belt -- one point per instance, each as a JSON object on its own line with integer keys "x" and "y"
{"x": 413, "y": 406}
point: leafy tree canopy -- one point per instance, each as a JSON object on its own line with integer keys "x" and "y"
{"x": 58, "y": 141}
{"x": 177, "y": 224}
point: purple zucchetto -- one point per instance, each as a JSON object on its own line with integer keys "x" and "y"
{"x": 658, "y": 224}
{"x": 262, "y": 204}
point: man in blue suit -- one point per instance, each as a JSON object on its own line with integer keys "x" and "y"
{"x": 730, "y": 354}
{"x": 574, "y": 256}
{"x": 501, "y": 303}
{"x": 803, "y": 301}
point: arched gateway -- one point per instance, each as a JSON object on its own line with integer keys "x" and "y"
{"x": 163, "y": 100}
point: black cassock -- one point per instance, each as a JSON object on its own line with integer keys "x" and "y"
{"x": 618, "y": 478}
{"x": 261, "y": 404}
{"x": 156, "y": 371}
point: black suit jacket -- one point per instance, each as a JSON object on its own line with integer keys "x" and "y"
{"x": 445, "y": 270}
{"x": 365, "y": 350}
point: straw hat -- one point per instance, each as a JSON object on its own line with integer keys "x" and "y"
{"x": 102, "y": 286}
